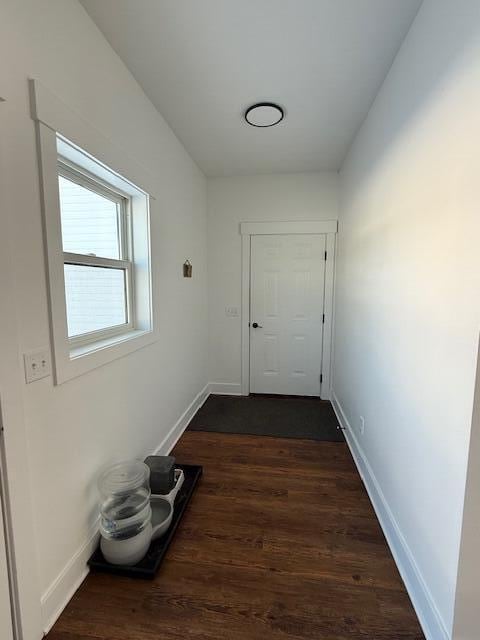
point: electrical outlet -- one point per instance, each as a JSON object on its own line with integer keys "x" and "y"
{"x": 362, "y": 425}
{"x": 37, "y": 365}
{"x": 231, "y": 312}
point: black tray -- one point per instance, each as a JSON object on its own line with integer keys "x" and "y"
{"x": 148, "y": 567}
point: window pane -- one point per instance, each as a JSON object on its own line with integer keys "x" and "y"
{"x": 89, "y": 221}
{"x": 95, "y": 298}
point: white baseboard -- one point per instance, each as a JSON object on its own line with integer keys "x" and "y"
{"x": 182, "y": 423}
{"x": 430, "y": 619}
{"x": 60, "y": 592}
{"x": 225, "y": 388}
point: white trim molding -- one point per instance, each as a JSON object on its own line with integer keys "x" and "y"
{"x": 288, "y": 227}
{"x": 225, "y": 388}
{"x": 430, "y": 619}
{"x": 63, "y": 588}
{"x": 19, "y": 527}
{"x": 327, "y": 345}
{"x": 50, "y": 110}
{"x": 313, "y": 227}
{"x": 245, "y": 315}
{"x": 176, "y": 432}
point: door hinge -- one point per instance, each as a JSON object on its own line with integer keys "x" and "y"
{"x": 323, "y": 319}
{"x": 321, "y": 378}
{"x": 325, "y": 256}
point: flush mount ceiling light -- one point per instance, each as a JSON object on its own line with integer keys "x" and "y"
{"x": 264, "y": 114}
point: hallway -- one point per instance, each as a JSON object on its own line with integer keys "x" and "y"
{"x": 245, "y": 233}
{"x": 280, "y": 541}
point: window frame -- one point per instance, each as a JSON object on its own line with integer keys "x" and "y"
{"x": 74, "y": 173}
{"x": 61, "y": 131}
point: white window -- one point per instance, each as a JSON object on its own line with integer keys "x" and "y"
{"x": 97, "y": 256}
{"x": 97, "y": 232}
{"x": 97, "y": 226}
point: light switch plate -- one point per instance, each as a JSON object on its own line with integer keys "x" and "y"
{"x": 231, "y": 312}
{"x": 37, "y": 365}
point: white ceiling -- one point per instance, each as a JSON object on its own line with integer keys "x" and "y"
{"x": 202, "y": 62}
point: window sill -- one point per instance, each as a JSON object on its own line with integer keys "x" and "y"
{"x": 82, "y": 359}
{"x": 106, "y": 343}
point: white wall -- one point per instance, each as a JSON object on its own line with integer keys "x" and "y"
{"x": 127, "y": 407}
{"x": 408, "y": 282}
{"x": 301, "y": 196}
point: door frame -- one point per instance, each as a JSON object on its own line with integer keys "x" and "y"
{"x": 7, "y": 559}
{"x": 16, "y": 490}
{"x": 328, "y": 228}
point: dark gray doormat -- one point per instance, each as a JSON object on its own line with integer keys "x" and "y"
{"x": 280, "y": 416}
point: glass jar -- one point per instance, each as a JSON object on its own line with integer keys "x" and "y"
{"x": 125, "y": 500}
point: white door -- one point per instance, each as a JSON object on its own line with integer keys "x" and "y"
{"x": 287, "y": 283}
{"x": 6, "y": 631}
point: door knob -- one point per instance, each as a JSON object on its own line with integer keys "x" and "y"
{"x": 255, "y": 325}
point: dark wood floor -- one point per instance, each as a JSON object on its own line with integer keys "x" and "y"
{"x": 280, "y": 542}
